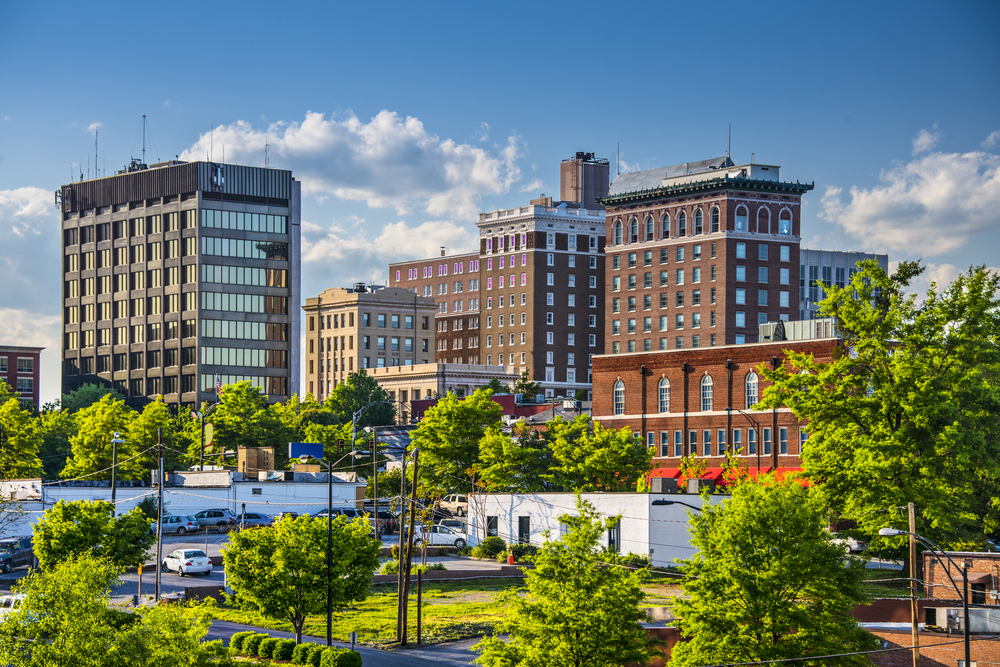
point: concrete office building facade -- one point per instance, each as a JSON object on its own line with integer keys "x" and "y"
{"x": 362, "y": 327}
{"x": 823, "y": 268}
{"x": 180, "y": 273}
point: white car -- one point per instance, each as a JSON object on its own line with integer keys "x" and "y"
{"x": 188, "y": 561}
{"x": 10, "y": 603}
{"x": 849, "y": 544}
{"x": 440, "y": 536}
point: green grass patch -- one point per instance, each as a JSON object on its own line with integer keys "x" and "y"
{"x": 894, "y": 586}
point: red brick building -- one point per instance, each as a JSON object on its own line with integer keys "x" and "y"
{"x": 699, "y": 254}
{"x": 679, "y": 400}
{"x": 19, "y": 369}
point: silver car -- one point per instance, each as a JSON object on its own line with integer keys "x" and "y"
{"x": 188, "y": 561}
{"x": 179, "y": 524}
{"x": 255, "y": 519}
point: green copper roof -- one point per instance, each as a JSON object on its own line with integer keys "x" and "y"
{"x": 721, "y": 183}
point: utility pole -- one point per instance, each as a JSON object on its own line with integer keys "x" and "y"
{"x": 914, "y": 630}
{"x": 374, "y": 449}
{"x": 399, "y": 574}
{"x": 114, "y": 468}
{"x": 159, "y": 511}
{"x": 409, "y": 544}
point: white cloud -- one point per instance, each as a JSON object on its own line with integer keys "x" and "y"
{"x": 388, "y": 162}
{"x": 931, "y": 205}
{"x": 926, "y": 140}
{"x": 6, "y": 117}
{"x": 26, "y": 210}
{"x": 534, "y": 186}
{"x": 992, "y": 140}
{"x": 396, "y": 242}
{"x": 93, "y": 127}
{"x": 942, "y": 275}
{"x": 484, "y": 132}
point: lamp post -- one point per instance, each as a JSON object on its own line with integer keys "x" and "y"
{"x": 675, "y": 502}
{"x": 203, "y": 416}
{"x": 964, "y": 597}
{"x": 756, "y": 426}
{"x": 114, "y": 467}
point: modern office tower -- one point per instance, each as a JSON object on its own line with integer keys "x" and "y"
{"x": 700, "y": 254}
{"x": 453, "y": 283}
{"x": 828, "y": 267}
{"x": 348, "y": 329}
{"x": 179, "y": 275}
{"x": 19, "y": 369}
{"x": 532, "y": 296}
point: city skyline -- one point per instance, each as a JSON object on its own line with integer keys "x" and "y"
{"x": 402, "y": 132}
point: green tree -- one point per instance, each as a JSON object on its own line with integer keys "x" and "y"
{"x": 89, "y": 527}
{"x": 67, "y": 618}
{"x": 516, "y": 463}
{"x": 87, "y": 395}
{"x": 356, "y": 392}
{"x": 243, "y": 419}
{"x": 388, "y": 483}
{"x": 590, "y": 457}
{"x": 19, "y": 442}
{"x": 496, "y": 387}
{"x": 448, "y": 437}
{"x": 766, "y": 583}
{"x": 577, "y": 611}
{"x": 55, "y": 427}
{"x": 143, "y": 436}
{"x": 526, "y": 386}
{"x": 281, "y": 573}
{"x": 92, "y": 448}
{"x": 909, "y": 408}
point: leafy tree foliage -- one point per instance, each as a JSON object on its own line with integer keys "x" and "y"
{"x": 281, "y": 573}
{"x": 496, "y": 387}
{"x": 590, "y": 457}
{"x": 244, "y": 418}
{"x": 909, "y": 410}
{"x": 87, "y": 395}
{"x": 767, "y": 583}
{"x": 92, "y": 447}
{"x": 19, "y": 442}
{"x": 577, "y": 611}
{"x": 448, "y": 437}
{"x": 356, "y": 392}
{"x": 89, "y": 527}
{"x": 55, "y": 428}
{"x": 517, "y": 464}
{"x": 526, "y": 386}
{"x": 388, "y": 483}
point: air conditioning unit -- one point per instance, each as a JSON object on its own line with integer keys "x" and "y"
{"x": 663, "y": 485}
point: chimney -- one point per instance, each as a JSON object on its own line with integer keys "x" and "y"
{"x": 442, "y": 251}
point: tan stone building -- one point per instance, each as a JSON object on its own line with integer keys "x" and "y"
{"x": 348, "y": 329}
{"x": 413, "y": 383}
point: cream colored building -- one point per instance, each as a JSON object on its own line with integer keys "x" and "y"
{"x": 412, "y": 383}
{"x": 374, "y": 327}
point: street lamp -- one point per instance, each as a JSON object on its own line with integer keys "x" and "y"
{"x": 329, "y": 540}
{"x": 894, "y": 532}
{"x": 756, "y": 426}
{"x": 114, "y": 467}
{"x": 661, "y": 502}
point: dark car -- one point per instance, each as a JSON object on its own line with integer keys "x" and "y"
{"x": 16, "y": 552}
{"x": 253, "y": 519}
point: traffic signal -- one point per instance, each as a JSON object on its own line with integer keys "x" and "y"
{"x": 371, "y": 445}
{"x": 340, "y": 446}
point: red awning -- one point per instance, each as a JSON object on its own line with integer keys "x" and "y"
{"x": 781, "y": 473}
{"x": 714, "y": 474}
{"x": 669, "y": 473}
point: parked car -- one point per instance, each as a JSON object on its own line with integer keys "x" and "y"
{"x": 254, "y": 519}
{"x": 349, "y": 512}
{"x": 849, "y": 544}
{"x": 216, "y": 517}
{"x": 180, "y": 524}
{"x": 16, "y": 552}
{"x": 439, "y": 536}
{"x": 187, "y": 561}
{"x": 10, "y": 604}
{"x": 456, "y": 504}
{"x": 456, "y": 524}
{"x": 291, "y": 515}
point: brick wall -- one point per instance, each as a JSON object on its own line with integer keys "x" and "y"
{"x": 984, "y": 576}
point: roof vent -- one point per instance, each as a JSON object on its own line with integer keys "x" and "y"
{"x": 359, "y": 288}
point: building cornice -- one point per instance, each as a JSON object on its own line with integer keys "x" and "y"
{"x": 708, "y": 185}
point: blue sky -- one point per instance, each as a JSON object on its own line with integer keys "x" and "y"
{"x": 403, "y": 120}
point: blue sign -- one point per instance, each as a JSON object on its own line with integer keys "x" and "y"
{"x": 298, "y": 449}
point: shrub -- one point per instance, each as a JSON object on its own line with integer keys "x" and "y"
{"x": 491, "y": 546}
{"x": 252, "y": 643}
{"x": 237, "y": 640}
{"x": 523, "y": 551}
{"x": 266, "y": 648}
{"x": 395, "y": 552}
{"x": 300, "y": 654}
{"x": 429, "y": 567}
{"x": 315, "y": 655}
{"x": 632, "y": 560}
{"x": 340, "y": 657}
{"x": 284, "y": 649}
{"x": 502, "y": 556}
{"x": 389, "y": 567}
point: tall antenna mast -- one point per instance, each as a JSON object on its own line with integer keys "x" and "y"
{"x": 95, "y": 151}
{"x": 729, "y": 148}
{"x": 618, "y": 159}
{"x": 143, "y": 139}
{"x": 265, "y": 151}
{"x": 211, "y": 144}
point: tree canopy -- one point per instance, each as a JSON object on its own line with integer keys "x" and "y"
{"x": 71, "y": 529}
{"x": 766, "y": 583}
{"x": 577, "y": 611}
{"x": 88, "y": 394}
{"x": 909, "y": 408}
{"x": 359, "y": 390}
{"x": 19, "y": 442}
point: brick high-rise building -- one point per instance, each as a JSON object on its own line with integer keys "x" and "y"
{"x": 19, "y": 368}
{"x": 533, "y": 296}
{"x": 699, "y": 254}
{"x": 180, "y": 273}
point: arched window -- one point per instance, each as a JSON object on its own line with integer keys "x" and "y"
{"x": 751, "y": 389}
{"x": 618, "y": 233}
{"x": 763, "y": 220}
{"x": 785, "y": 223}
{"x": 619, "y": 398}
{"x": 633, "y": 231}
{"x": 665, "y": 226}
{"x": 715, "y": 220}
{"x": 699, "y": 220}
{"x": 706, "y": 393}
{"x": 649, "y": 228}
{"x": 663, "y": 394}
{"x": 742, "y": 219}
{"x": 681, "y": 223}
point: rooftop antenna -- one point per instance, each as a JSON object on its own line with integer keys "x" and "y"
{"x": 265, "y": 152}
{"x": 143, "y": 139}
{"x": 618, "y": 159}
{"x": 95, "y": 151}
{"x": 729, "y": 148}
{"x": 211, "y": 144}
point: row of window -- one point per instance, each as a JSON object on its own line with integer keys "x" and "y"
{"x": 244, "y": 303}
{"x": 272, "y": 386}
{"x": 24, "y": 365}
{"x": 136, "y": 280}
{"x": 442, "y": 270}
{"x": 751, "y": 384}
{"x": 631, "y": 232}
{"x": 119, "y": 229}
{"x": 238, "y": 356}
{"x": 135, "y": 254}
{"x": 457, "y": 306}
{"x": 674, "y": 447}
{"x": 243, "y": 275}
{"x": 125, "y": 308}
{"x": 136, "y": 333}
{"x": 647, "y": 344}
{"x": 240, "y": 330}
{"x": 244, "y": 248}
{"x": 246, "y": 222}
{"x": 549, "y": 339}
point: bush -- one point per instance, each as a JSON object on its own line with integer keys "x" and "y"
{"x": 523, "y": 551}
{"x": 389, "y": 567}
{"x": 502, "y": 556}
{"x": 395, "y": 552}
{"x": 284, "y": 649}
{"x": 266, "y": 648}
{"x": 300, "y": 654}
{"x": 340, "y": 657}
{"x": 491, "y": 546}
{"x": 315, "y": 655}
{"x": 631, "y": 560}
{"x": 237, "y": 641}
{"x": 428, "y": 567}
{"x": 252, "y": 643}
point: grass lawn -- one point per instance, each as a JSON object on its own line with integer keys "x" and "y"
{"x": 897, "y": 588}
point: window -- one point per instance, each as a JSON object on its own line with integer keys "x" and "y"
{"x": 782, "y": 440}
{"x": 698, "y": 220}
{"x": 741, "y": 319}
{"x": 715, "y": 224}
{"x": 706, "y": 393}
{"x": 693, "y": 443}
{"x": 663, "y": 279}
{"x": 783, "y": 299}
{"x": 618, "y": 234}
{"x": 762, "y": 297}
{"x": 633, "y": 231}
{"x": 649, "y": 228}
{"x": 741, "y": 274}
{"x": 681, "y": 224}
{"x": 550, "y": 279}
{"x": 679, "y": 277}
{"x": 766, "y": 444}
{"x": 785, "y": 223}
{"x": 751, "y": 389}
{"x": 751, "y": 441}
{"x": 679, "y": 322}
{"x": 678, "y": 443}
{"x": 631, "y": 260}
{"x": 722, "y": 442}
{"x": 663, "y": 394}
{"x": 696, "y": 274}
{"x": 762, "y": 274}
{"x": 741, "y": 251}
{"x": 631, "y": 282}
{"x": 737, "y": 441}
{"x": 665, "y": 226}
{"x": 784, "y": 276}
{"x": 741, "y": 296}
{"x": 785, "y": 252}
{"x": 619, "y": 398}
{"x": 762, "y": 251}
